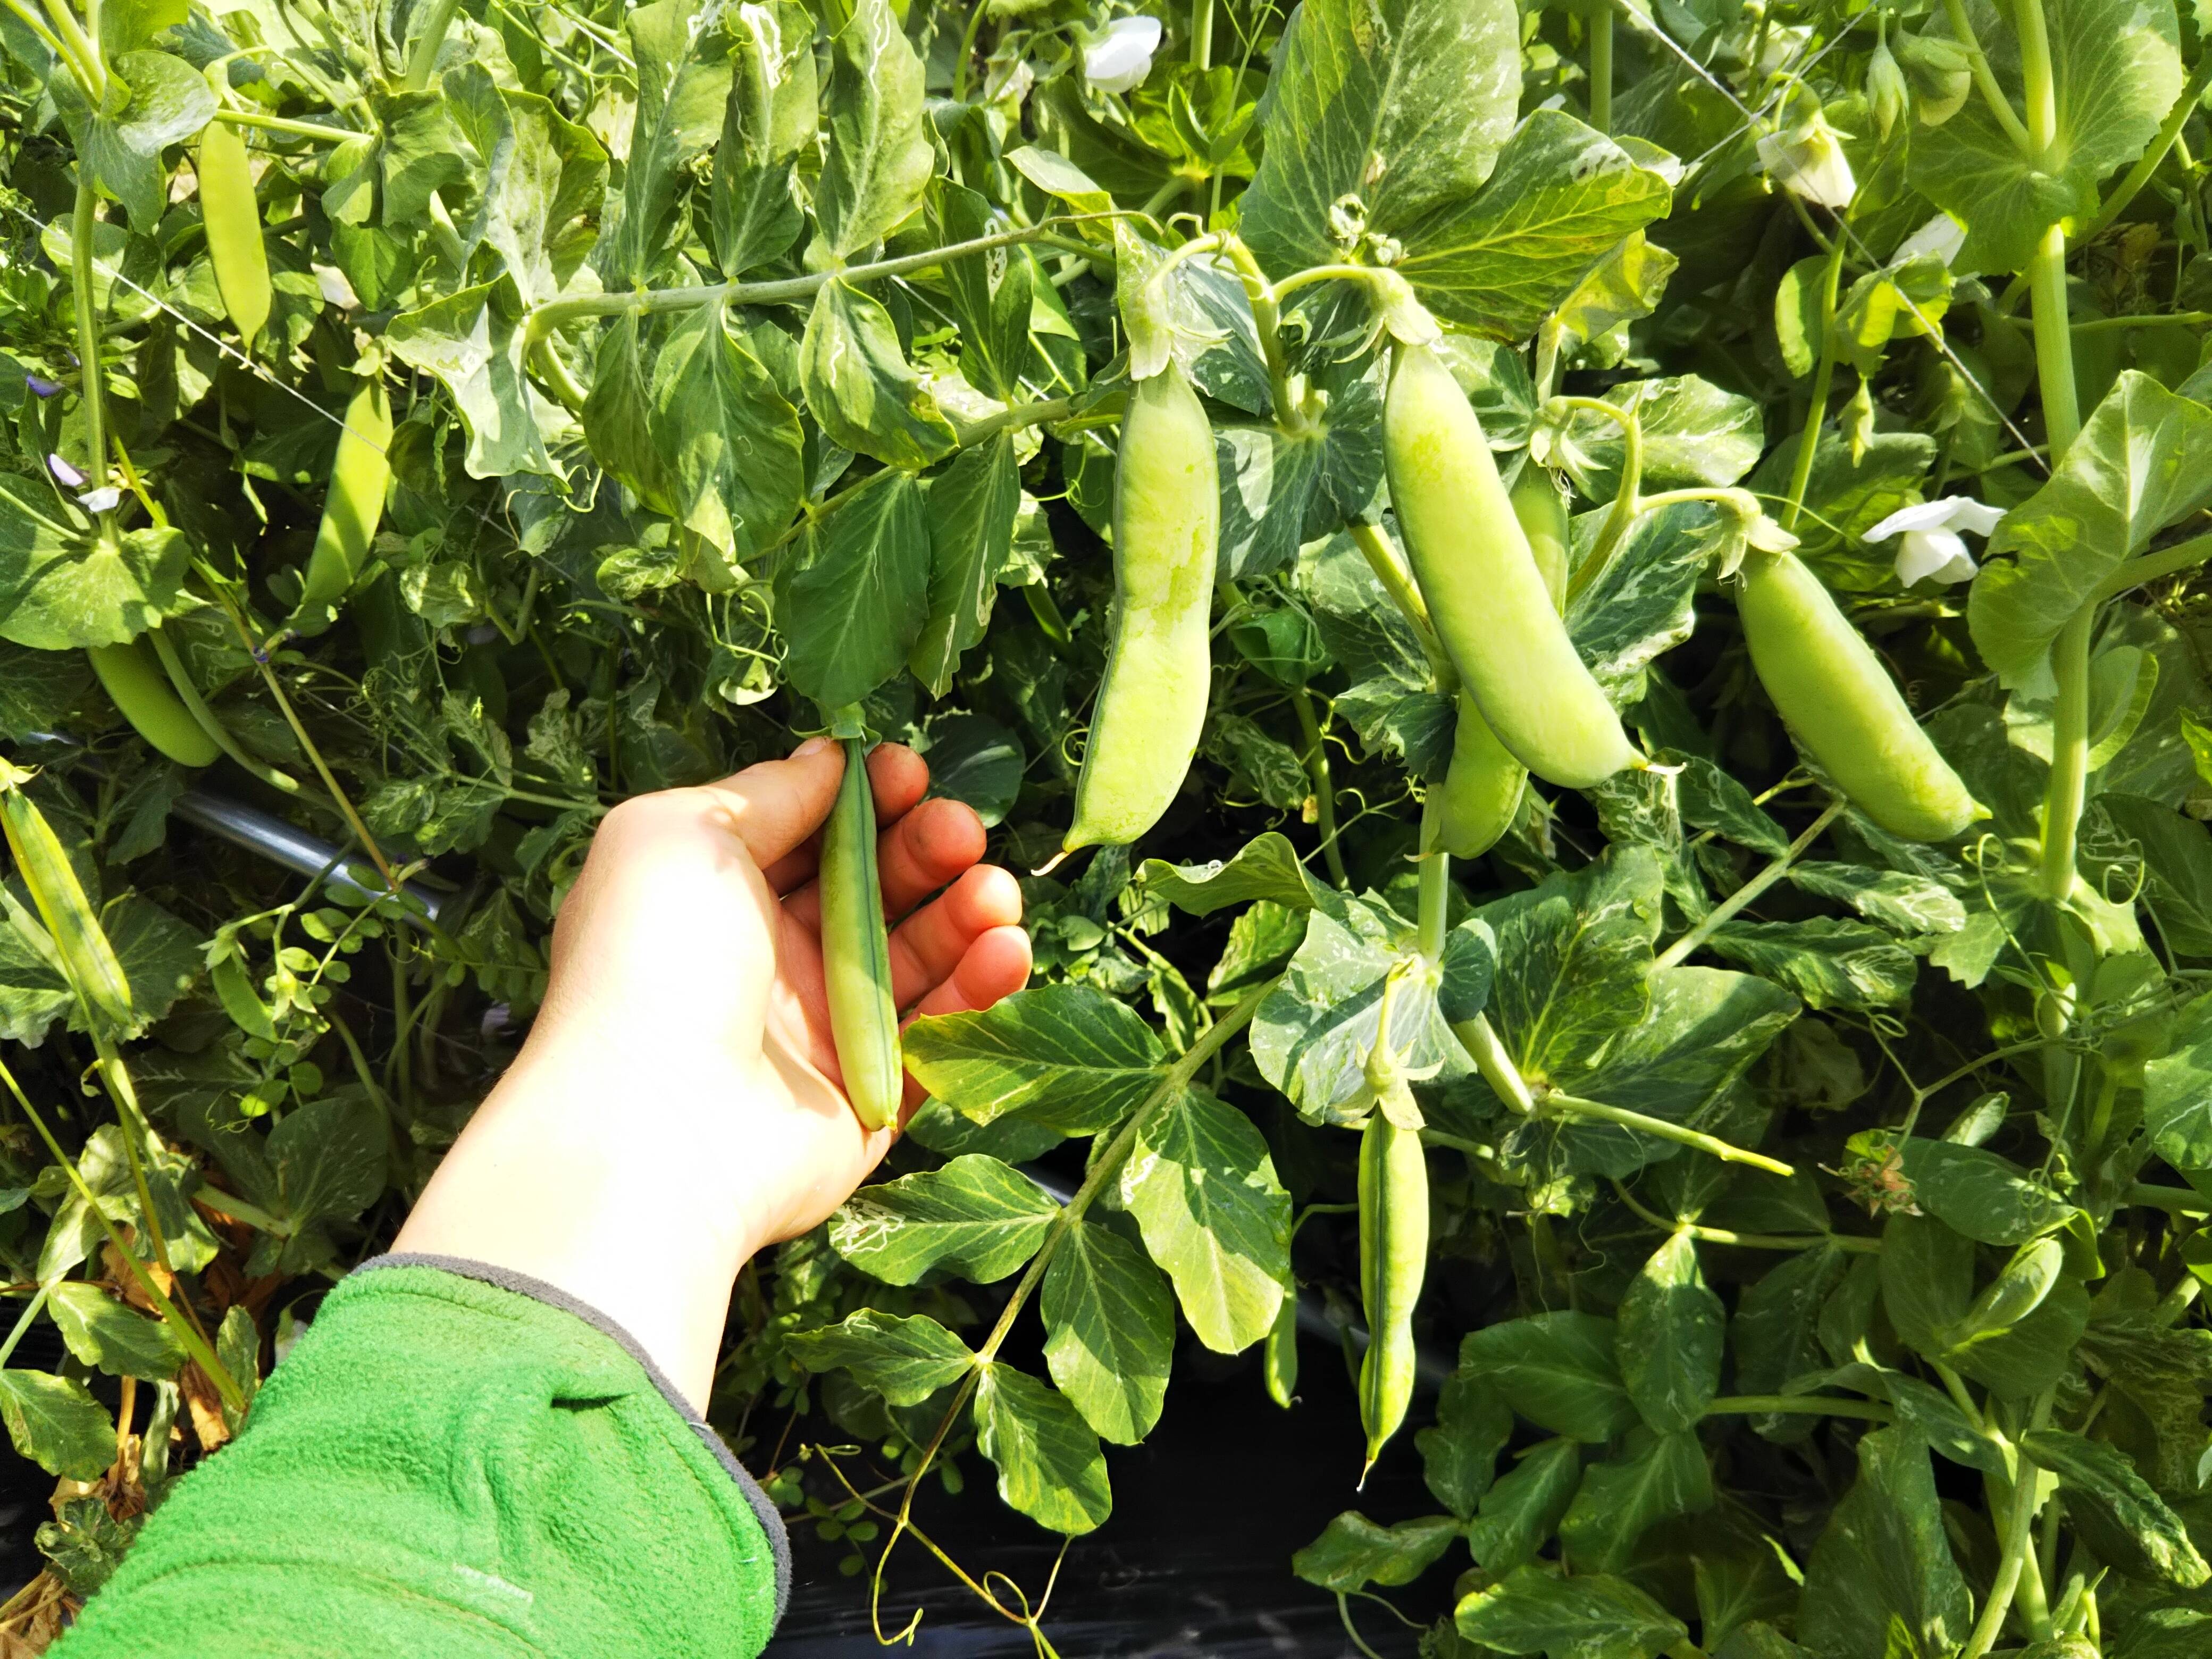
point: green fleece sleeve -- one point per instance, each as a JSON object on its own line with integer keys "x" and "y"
{"x": 455, "y": 1462}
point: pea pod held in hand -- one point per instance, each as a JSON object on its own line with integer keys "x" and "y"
{"x": 361, "y": 473}
{"x": 1492, "y": 612}
{"x": 232, "y": 220}
{"x": 856, "y": 953}
{"x": 1841, "y": 706}
{"x": 88, "y": 960}
{"x": 1152, "y": 702}
{"x": 141, "y": 692}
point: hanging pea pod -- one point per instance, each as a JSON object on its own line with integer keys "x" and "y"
{"x": 88, "y": 959}
{"x": 856, "y": 958}
{"x": 2013, "y": 1295}
{"x": 1839, "y": 701}
{"x": 1152, "y": 702}
{"x": 232, "y": 220}
{"x": 361, "y": 473}
{"x": 142, "y": 693}
{"x": 1541, "y": 513}
{"x": 1394, "y": 1241}
{"x": 1280, "y": 1359}
{"x": 1494, "y": 615}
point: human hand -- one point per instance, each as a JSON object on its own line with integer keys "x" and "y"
{"x": 676, "y": 1106}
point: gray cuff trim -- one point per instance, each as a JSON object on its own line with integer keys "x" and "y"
{"x": 552, "y": 1296}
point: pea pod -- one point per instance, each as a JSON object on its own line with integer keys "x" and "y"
{"x": 1541, "y": 513}
{"x": 1394, "y": 1243}
{"x": 359, "y": 475}
{"x": 141, "y": 692}
{"x": 1841, "y": 706}
{"x": 856, "y": 953}
{"x": 2014, "y": 1294}
{"x": 1280, "y": 1359}
{"x": 1482, "y": 788}
{"x": 233, "y": 219}
{"x": 87, "y": 958}
{"x": 1152, "y": 702}
{"x": 1493, "y": 614}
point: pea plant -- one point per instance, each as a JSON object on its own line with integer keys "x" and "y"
{"x": 1437, "y": 534}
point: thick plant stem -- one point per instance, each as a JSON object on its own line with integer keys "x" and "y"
{"x": 1824, "y": 377}
{"x": 2070, "y": 754}
{"x": 1601, "y": 69}
{"x": 1748, "y": 893}
{"x": 2018, "y": 1537}
{"x": 92, "y": 380}
{"x": 424, "y": 58}
{"x": 1560, "y": 1105}
{"x": 1201, "y": 35}
{"x": 1488, "y": 1052}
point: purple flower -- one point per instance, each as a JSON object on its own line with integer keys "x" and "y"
{"x": 40, "y": 385}
{"x": 64, "y": 475}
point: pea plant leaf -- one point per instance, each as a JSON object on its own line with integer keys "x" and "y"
{"x": 1887, "y": 1561}
{"x": 1354, "y": 1551}
{"x": 101, "y": 1331}
{"x": 2119, "y": 1514}
{"x": 1557, "y": 1370}
{"x": 1523, "y": 1507}
{"x": 906, "y": 1360}
{"x": 1656, "y": 1477}
{"x": 683, "y": 84}
{"x": 1109, "y": 1325}
{"x": 56, "y": 1423}
{"x": 860, "y": 386}
{"x": 1069, "y": 1057}
{"x": 854, "y": 592}
{"x": 976, "y": 1215}
{"x": 1459, "y": 1452}
{"x": 1533, "y": 1611}
{"x": 878, "y": 157}
{"x": 1669, "y": 1337}
{"x": 1049, "y": 1464}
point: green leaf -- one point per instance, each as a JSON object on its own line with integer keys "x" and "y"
{"x": 472, "y": 343}
{"x": 1523, "y": 1508}
{"x": 2143, "y": 461}
{"x": 904, "y": 1360}
{"x": 63, "y": 585}
{"x": 37, "y": 688}
{"x": 2178, "y": 1092}
{"x": 1049, "y": 1464}
{"x": 329, "y": 1157}
{"x": 1557, "y": 1370}
{"x": 121, "y": 1341}
{"x": 1459, "y": 1454}
{"x": 860, "y": 386}
{"x": 1312, "y": 1035}
{"x": 1711, "y": 799}
{"x": 992, "y": 296}
{"x": 1642, "y": 602}
{"x": 852, "y": 607}
{"x": 972, "y": 505}
{"x": 683, "y": 82}
{"x": 1400, "y": 105}
{"x": 879, "y": 155}
{"x": 1266, "y": 867}
{"x": 1905, "y": 903}
{"x": 1588, "y": 1616}
{"x": 1927, "y": 1279}
{"x": 1201, "y": 1184}
{"x": 2115, "y": 1512}
{"x": 540, "y": 173}
{"x": 976, "y": 1216}
{"x": 1671, "y": 1331}
{"x": 730, "y": 444}
{"x": 57, "y": 1424}
{"x": 1829, "y": 961}
{"x": 753, "y": 204}
{"x": 1776, "y": 1331}
{"x": 1067, "y": 1056}
{"x": 972, "y": 758}
{"x": 1354, "y": 1551}
{"x": 1655, "y": 1478}
{"x": 1977, "y": 1193}
{"x": 154, "y": 100}
{"x": 1847, "y": 494}
{"x": 2119, "y": 64}
{"x": 2026, "y": 1358}
{"x": 1627, "y": 282}
{"x": 1110, "y": 1332}
{"x": 1884, "y": 1558}
{"x": 2172, "y": 854}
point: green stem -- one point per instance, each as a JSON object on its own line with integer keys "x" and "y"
{"x": 2176, "y": 1200}
{"x": 1266, "y": 300}
{"x": 53, "y": 42}
{"x": 1601, "y": 69}
{"x": 84, "y": 59}
{"x": 2017, "y": 1537}
{"x": 1802, "y": 1405}
{"x": 1824, "y": 375}
{"x": 1627, "y": 502}
{"x": 424, "y": 58}
{"x": 1382, "y": 560}
{"x": 1323, "y": 781}
{"x": 2068, "y": 789}
{"x": 238, "y": 1209}
{"x": 1487, "y": 1050}
{"x": 91, "y": 379}
{"x": 552, "y": 314}
{"x": 2167, "y": 561}
{"x": 2168, "y": 319}
{"x": 554, "y": 371}
{"x": 1748, "y": 893}
{"x": 1201, "y": 35}
{"x": 1433, "y": 905}
{"x": 279, "y": 123}
{"x": 1045, "y": 412}
{"x": 1562, "y": 1105}
{"x": 1748, "y": 1241}
{"x": 1985, "y": 79}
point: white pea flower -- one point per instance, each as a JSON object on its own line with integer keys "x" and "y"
{"x": 1941, "y": 236}
{"x": 64, "y": 474}
{"x": 1932, "y": 544}
{"x": 1807, "y": 160}
{"x": 100, "y": 501}
{"x": 1120, "y": 58}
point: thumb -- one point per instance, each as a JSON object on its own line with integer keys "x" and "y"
{"x": 775, "y": 806}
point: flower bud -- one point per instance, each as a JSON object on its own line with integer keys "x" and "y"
{"x": 1886, "y": 94}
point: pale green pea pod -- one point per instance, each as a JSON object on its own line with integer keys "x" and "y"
{"x": 1541, "y": 511}
{"x": 856, "y": 956}
{"x": 1482, "y": 790}
{"x": 87, "y": 958}
{"x": 143, "y": 695}
{"x": 361, "y": 474}
{"x": 232, "y": 219}
{"x": 1839, "y": 702}
{"x": 1279, "y": 1358}
{"x": 1394, "y": 1258}
{"x": 2016, "y": 1292}
{"x": 1152, "y": 702}
{"x": 1492, "y": 611}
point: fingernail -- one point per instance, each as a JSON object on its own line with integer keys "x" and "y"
{"x": 811, "y": 746}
